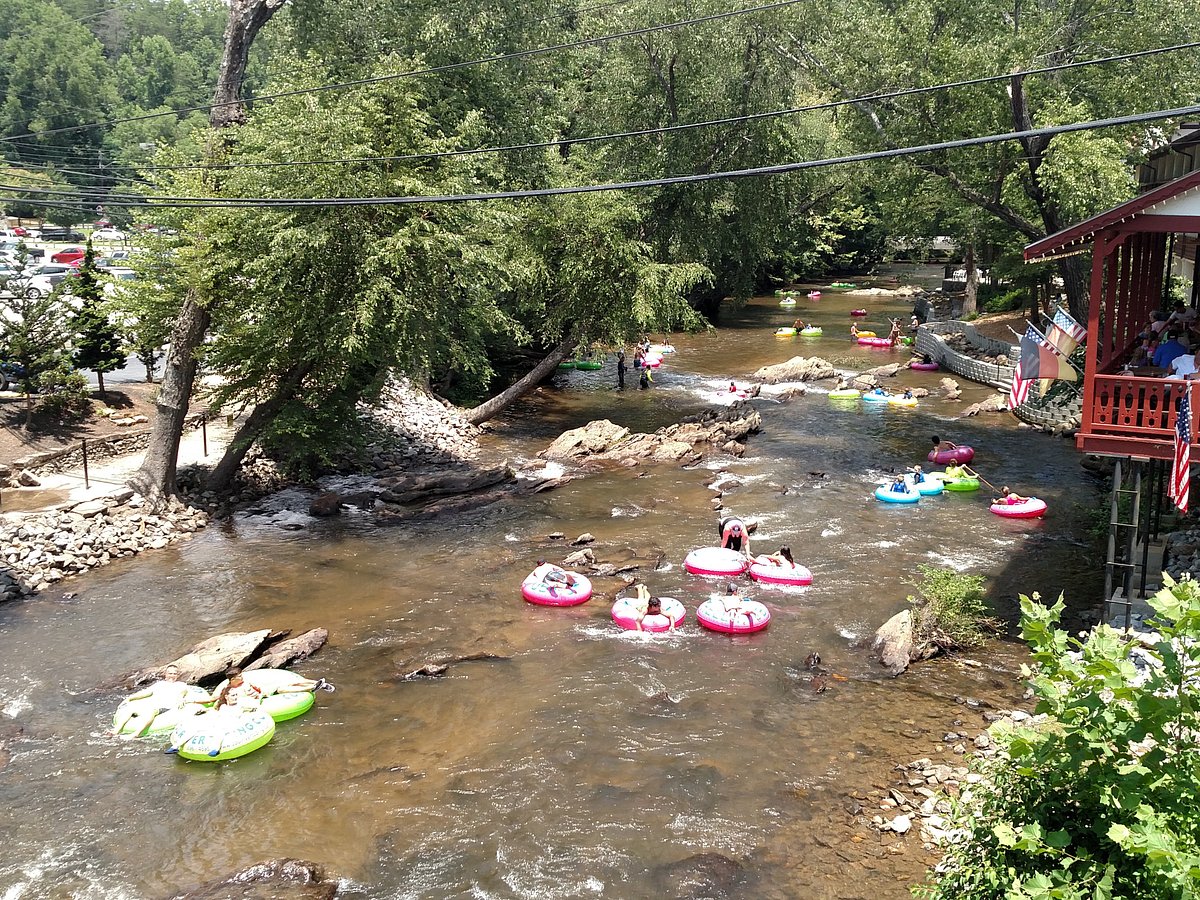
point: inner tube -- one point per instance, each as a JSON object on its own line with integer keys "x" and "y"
{"x": 1033, "y": 508}
{"x": 845, "y": 394}
{"x": 787, "y": 301}
{"x": 625, "y": 613}
{"x": 567, "y": 364}
{"x": 747, "y": 617}
{"x": 866, "y": 334}
{"x": 887, "y": 495}
{"x": 716, "y": 561}
{"x": 661, "y": 349}
{"x": 812, "y": 331}
{"x": 960, "y": 485}
{"x": 785, "y": 332}
{"x": 842, "y": 284}
{"x": 813, "y": 295}
{"x": 220, "y": 734}
{"x": 158, "y": 709}
{"x": 872, "y": 397}
{"x": 873, "y": 341}
{"x": 930, "y": 487}
{"x": 963, "y": 454}
{"x": 536, "y": 591}
{"x": 902, "y": 401}
{"x": 858, "y": 313}
{"x": 766, "y": 571}
{"x": 286, "y": 695}
{"x": 924, "y": 366}
{"x": 588, "y": 364}
{"x": 652, "y": 362}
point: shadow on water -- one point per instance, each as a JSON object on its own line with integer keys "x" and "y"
{"x": 592, "y": 762}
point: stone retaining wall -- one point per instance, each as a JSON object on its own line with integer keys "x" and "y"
{"x": 70, "y": 458}
{"x": 1050, "y": 417}
{"x": 929, "y": 341}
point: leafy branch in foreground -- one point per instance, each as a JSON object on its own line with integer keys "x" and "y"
{"x": 1100, "y": 799}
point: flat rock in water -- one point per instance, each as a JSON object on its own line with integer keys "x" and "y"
{"x": 271, "y": 880}
{"x": 284, "y": 653}
{"x": 894, "y": 642}
{"x": 888, "y": 371}
{"x": 586, "y": 538}
{"x": 210, "y": 658}
{"x": 798, "y": 368}
{"x": 580, "y": 557}
{"x": 994, "y": 403}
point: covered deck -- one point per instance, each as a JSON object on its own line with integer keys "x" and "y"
{"x": 1131, "y": 413}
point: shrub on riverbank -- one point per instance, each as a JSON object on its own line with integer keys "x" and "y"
{"x": 1101, "y": 799}
{"x": 951, "y": 612}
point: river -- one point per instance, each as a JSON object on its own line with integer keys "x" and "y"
{"x": 593, "y": 761}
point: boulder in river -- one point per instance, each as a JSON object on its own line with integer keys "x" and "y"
{"x": 888, "y": 371}
{"x": 994, "y": 403}
{"x": 949, "y": 388}
{"x": 702, "y": 875}
{"x": 685, "y": 442}
{"x": 269, "y": 880}
{"x": 284, "y": 653}
{"x": 326, "y": 504}
{"x": 894, "y": 642}
{"x": 798, "y": 368}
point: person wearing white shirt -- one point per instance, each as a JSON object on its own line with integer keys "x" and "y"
{"x": 1185, "y": 366}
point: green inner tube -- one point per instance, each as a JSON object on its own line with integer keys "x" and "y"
{"x": 961, "y": 484}
{"x": 566, "y": 364}
{"x": 287, "y": 705}
{"x": 811, "y": 332}
{"x": 587, "y": 364}
{"x": 847, "y": 394}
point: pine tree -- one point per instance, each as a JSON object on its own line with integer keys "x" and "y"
{"x": 97, "y": 342}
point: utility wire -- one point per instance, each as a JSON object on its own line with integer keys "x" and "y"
{"x": 777, "y": 169}
{"x": 448, "y": 67}
{"x": 667, "y": 129}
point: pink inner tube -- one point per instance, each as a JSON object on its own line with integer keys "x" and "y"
{"x": 963, "y": 454}
{"x": 716, "y": 561}
{"x": 813, "y": 295}
{"x": 1033, "y": 508}
{"x": 859, "y": 313}
{"x": 924, "y": 367}
{"x": 652, "y": 362}
{"x": 625, "y": 613}
{"x": 769, "y": 573}
{"x": 750, "y": 616}
{"x": 875, "y": 342}
{"x": 544, "y": 595}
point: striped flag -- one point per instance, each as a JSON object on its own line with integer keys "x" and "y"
{"x": 1178, "y": 489}
{"x": 1040, "y": 359}
{"x": 1064, "y": 335}
{"x": 1019, "y": 392}
{"x": 1064, "y": 320}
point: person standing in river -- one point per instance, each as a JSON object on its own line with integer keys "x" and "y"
{"x": 621, "y": 370}
{"x": 734, "y": 534}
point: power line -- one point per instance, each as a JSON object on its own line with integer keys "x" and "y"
{"x": 431, "y": 70}
{"x": 667, "y": 129}
{"x": 759, "y": 171}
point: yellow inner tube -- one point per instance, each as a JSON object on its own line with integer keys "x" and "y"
{"x": 866, "y": 334}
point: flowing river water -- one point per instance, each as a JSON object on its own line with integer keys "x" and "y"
{"x": 592, "y": 762}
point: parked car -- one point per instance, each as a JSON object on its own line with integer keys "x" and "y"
{"x": 109, "y": 234}
{"x": 69, "y": 255}
{"x": 39, "y": 286}
{"x": 59, "y": 233}
{"x": 10, "y": 372}
{"x": 17, "y": 232}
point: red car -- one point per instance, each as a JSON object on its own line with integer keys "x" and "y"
{"x": 69, "y": 255}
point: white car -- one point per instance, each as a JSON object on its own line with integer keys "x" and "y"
{"x": 109, "y": 234}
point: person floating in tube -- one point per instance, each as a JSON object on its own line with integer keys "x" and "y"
{"x": 735, "y": 604}
{"x": 918, "y": 475}
{"x": 1008, "y": 498}
{"x": 899, "y": 485}
{"x": 734, "y": 534}
{"x": 553, "y": 576}
{"x": 939, "y": 445}
{"x": 781, "y": 556}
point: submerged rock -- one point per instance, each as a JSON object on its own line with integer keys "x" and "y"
{"x": 704, "y": 875}
{"x": 269, "y": 880}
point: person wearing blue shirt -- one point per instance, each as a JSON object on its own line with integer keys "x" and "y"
{"x": 1168, "y": 351}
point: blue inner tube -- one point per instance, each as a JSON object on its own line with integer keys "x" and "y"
{"x": 889, "y": 496}
{"x": 930, "y": 487}
{"x": 876, "y": 398}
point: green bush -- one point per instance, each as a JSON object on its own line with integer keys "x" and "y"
{"x": 1102, "y": 799}
{"x": 1009, "y": 301}
{"x": 952, "y": 613}
{"x": 64, "y": 394}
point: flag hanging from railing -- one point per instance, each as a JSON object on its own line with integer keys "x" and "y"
{"x": 1019, "y": 392}
{"x": 1181, "y": 469}
{"x": 1040, "y": 359}
{"x": 1064, "y": 335}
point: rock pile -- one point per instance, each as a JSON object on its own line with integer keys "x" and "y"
{"x": 41, "y": 549}
{"x": 958, "y": 341}
{"x": 1182, "y": 555}
{"x": 921, "y": 800}
{"x": 685, "y": 442}
{"x": 409, "y": 425}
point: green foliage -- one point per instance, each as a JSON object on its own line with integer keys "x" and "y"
{"x": 1009, "y": 301}
{"x": 952, "y": 611}
{"x": 1100, "y": 800}
{"x": 98, "y": 344}
{"x": 64, "y": 393}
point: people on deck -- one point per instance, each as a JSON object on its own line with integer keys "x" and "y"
{"x": 1186, "y": 366}
{"x": 734, "y": 534}
{"x": 1167, "y": 352}
{"x": 1143, "y": 355}
{"x": 1183, "y": 317}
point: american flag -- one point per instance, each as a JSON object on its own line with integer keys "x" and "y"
{"x": 1063, "y": 320}
{"x": 1019, "y": 392}
{"x": 1177, "y": 490}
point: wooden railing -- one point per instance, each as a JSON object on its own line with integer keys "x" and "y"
{"x": 1133, "y": 416}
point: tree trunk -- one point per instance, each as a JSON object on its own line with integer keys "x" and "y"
{"x": 155, "y": 480}
{"x": 248, "y": 433}
{"x": 100, "y": 384}
{"x": 971, "y": 297}
{"x": 508, "y": 397}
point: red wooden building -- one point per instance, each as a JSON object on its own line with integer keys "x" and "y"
{"x": 1135, "y": 247}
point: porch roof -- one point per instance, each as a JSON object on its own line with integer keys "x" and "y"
{"x": 1172, "y": 207}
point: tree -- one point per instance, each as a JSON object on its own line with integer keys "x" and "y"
{"x": 98, "y": 343}
{"x": 155, "y": 479}
{"x": 34, "y": 334}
